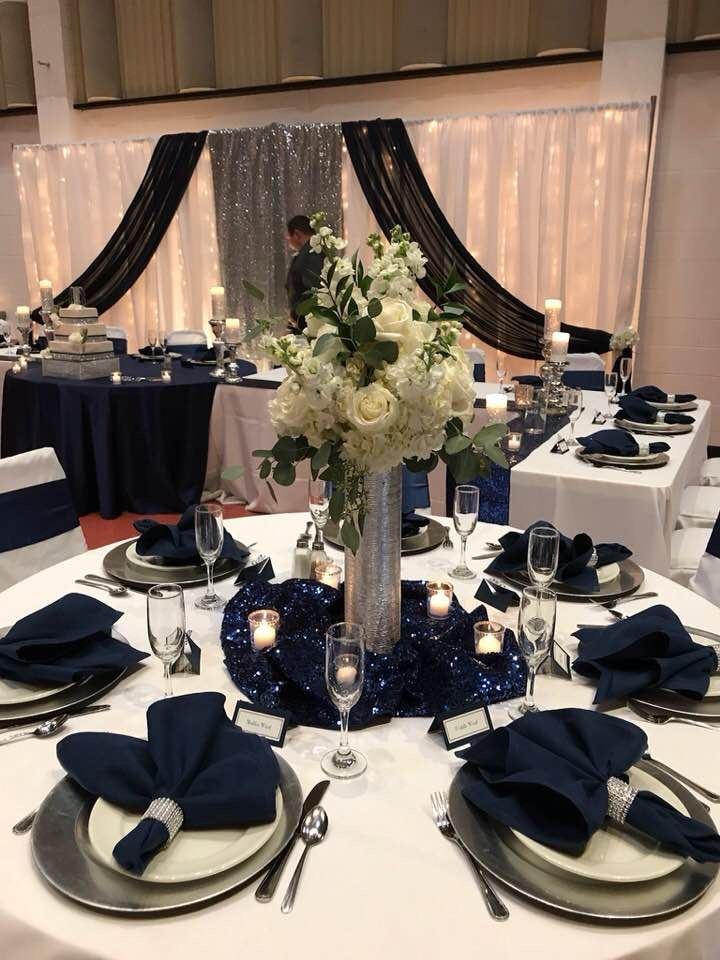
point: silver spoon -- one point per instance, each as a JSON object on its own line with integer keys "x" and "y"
{"x": 711, "y": 795}
{"x": 45, "y": 729}
{"x": 313, "y": 830}
{"x": 113, "y": 591}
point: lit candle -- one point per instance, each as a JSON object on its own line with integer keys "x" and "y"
{"x": 552, "y": 317}
{"x": 232, "y": 330}
{"x": 439, "y": 599}
{"x": 488, "y": 636}
{"x": 165, "y": 376}
{"x": 21, "y": 313}
{"x": 116, "y": 377}
{"x": 23, "y": 363}
{"x": 217, "y": 298}
{"x": 346, "y": 675}
{"x": 263, "y": 626}
{"x": 327, "y": 572}
{"x": 264, "y": 636}
{"x": 559, "y": 347}
{"x": 16, "y": 368}
{"x": 514, "y": 441}
{"x": 496, "y": 405}
{"x": 46, "y": 296}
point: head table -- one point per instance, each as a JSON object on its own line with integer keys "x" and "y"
{"x": 384, "y": 882}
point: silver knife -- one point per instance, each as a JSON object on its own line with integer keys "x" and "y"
{"x": 268, "y": 886}
{"x": 95, "y": 708}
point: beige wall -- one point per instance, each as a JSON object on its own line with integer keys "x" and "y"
{"x": 680, "y": 306}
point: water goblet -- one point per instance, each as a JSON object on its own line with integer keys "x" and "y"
{"x": 319, "y": 503}
{"x": 344, "y": 676}
{"x": 542, "y": 556}
{"x": 536, "y": 624}
{"x": 611, "y": 385}
{"x": 465, "y": 517}
{"x": 574, "y": 404}
{"x": 625, "y": 371}
{"x": 209, "y": 537}
{"x": 166, "y": 625}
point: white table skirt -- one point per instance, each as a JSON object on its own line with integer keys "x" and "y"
{"x": 384, "y": 883}
{"x": 637, "y": 509}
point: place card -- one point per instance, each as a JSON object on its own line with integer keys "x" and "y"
{"x": 561, "y": 659}
{"x": 459, "y": 727}
{"x": 560, "y": 447}
{"x": 599, "y": 417}
{"x": 189, "y": 659}
{"x": 270, "y": 724}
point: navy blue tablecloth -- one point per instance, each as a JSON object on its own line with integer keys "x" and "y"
{"x": 140, "y": 447}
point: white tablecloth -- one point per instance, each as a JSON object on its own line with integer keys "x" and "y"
{"x": 637, "y": 509}
{"x": 384, "y": 883}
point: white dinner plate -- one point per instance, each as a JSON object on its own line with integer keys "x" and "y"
{"x": 153, "y": 563}
{"x": 616, "y": 854}
{"x": 661, "y": 429}
{"x": 193, "y": 854}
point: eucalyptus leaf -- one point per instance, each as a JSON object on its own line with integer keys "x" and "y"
{"x": 490, "y": 434}
{"x": 374, "y": 308}
{"x": 457, "y": 443}
{"x": 497, "y": 456}
{"x": 265, "y": 468}
{"x": 382, "y": 351}
{"x": 325, "y": 342}
{"x": 337, "y": 504}
{"x": 306, "y": 306}
{"x": 349, "y": 535}
{"x": 321, "y": 457}
{"x": 284, "y": 474}
{"x": 364, "y": 330}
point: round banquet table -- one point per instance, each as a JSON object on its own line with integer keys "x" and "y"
{"x": 137, "y": 446}
{"x": 384, "y": 882}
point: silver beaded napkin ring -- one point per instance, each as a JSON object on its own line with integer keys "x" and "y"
{"x": 715, "y": 647}
{"x": 168, "y": 813}
{"x": 620, "y": 799}
{"x": 593, "y": 561}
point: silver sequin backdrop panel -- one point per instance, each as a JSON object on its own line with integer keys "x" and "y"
{"x": 262, "y": 177}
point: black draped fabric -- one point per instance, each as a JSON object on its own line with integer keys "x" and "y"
{"x": 398, "y": 193}
{"x": 129, "y": 250}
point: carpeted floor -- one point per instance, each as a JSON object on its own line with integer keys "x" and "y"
{"x": 99, "y": 532}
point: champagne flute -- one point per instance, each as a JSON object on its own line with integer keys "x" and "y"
{"x": 536, "y": 624}
{"x": 319, "y": 502}
{"x": 574, "y": 404}
{"x": 166, "y": 625}
{"x": 500, "y": 367}
{"x": 344, "y": 676}
{"x": 465, "y": 517}
{"x": 209, "y": 538}
{"x": 542, "y": 556}
{"x": 625, "y": 371}
{"x": 611, "y": 384}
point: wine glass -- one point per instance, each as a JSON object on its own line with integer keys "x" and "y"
{"x": 465, "y": 517}
{"x": 209, "y": 537}
{"x": 625, "y": 371}
{"x": 319, "y": 502}
{"x": 542, "y": 556}
{"x": 344, "y": 675}
{"x": 166, "y": 625}
{"x": 536, "y": 624}
{"x": 611, "y": 384}
{"x": 574, "y": 404}
{"x": 500, "y": 367}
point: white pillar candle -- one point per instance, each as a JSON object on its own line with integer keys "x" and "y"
{"x": 439, "y": 605}
{"x": 552, "y": 317}
{"x": 46, "y": 296}
{"x": 514, "y": 441}
{"x": 217, "y": 299}
{"x": 16, "y": 368}
{"x": 165, "y": 376}
{"x": 488, "y": 636}
{"x": 496, "y": 405}
{"x": 116, "y": 377}
{"x": 232, "y": 330}
{"x": 264, "y": 636}
{"x": 559, "y": 346}
{"x": 346, "y": 675}
{"x": 22, "y": 312}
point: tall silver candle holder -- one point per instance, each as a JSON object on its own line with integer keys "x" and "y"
{"x": 218, "y": 329}
{"x": 551, "y": 373}
{"x": 232, "y": 371}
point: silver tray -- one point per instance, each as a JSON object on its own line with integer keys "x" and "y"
{"x": 427, "y": 539}
{"x": 64, "y": 856}
{"x": 630, "y": 578}
{"x": 498, "y": 852}
{"x": 117, "y": 565}
{"x": 655, "y": 429}
{"x": 78, "y": 695}
{"x": 675, "y": 407}
{"x": 649, "y": 462}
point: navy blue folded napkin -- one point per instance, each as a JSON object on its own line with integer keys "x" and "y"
{"x": 650, "y": 649}
{"x": 549, "y": 775}
{"x": 584, "y": 379}
{"x": 261, "y": 570}
{"x": 638, "y": 411}
{"x": 64, "y": 642}
{"x": 496, "y": 597}
{"x": 529, "y": 378}
{"x": 413, "y": 523}
{"x": 654, "y": 394}
{"x": 619, "y": 443}
{"x": 194, "y": 755}
{"x": 176, "y": 541}
{"x": 149, "y": 351}
{"x": 577, "y": 558}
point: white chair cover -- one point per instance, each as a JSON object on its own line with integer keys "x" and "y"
{"x": 710, "y": 472}
{"x": 585, "y": 361}
{"x": 706, "y": 581}
{"x": 38, "y": 523}
{"x": 699, "y": 506}
{"x": 475, "y": 355}
{"x": 116, "y": 333}
{"x": 686, "y": 550}
{"x": 186, "y": 336}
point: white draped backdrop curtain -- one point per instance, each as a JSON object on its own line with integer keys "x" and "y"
{"x": 550, "y": 202}
{"x": 72, "y": 198}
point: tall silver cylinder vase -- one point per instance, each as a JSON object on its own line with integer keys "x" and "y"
{"x": 372, "y": 575}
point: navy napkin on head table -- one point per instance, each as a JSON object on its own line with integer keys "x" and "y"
{"x": 574, "y": 556}
{"x": 650, "y": 649}
{"x": 618, "y": 443}
{"x": 149, "y": 351}
{"x": 194, "y": 755}
{"x": 654, "y": 394}
{"x": 495, "y": 596}
{"x": 413, "y": 523}
{"x": 637, "y": 411}
{"x": 65, "y": 642}
{"x": 547, "y": 774}
{"x": 176, "y": 541}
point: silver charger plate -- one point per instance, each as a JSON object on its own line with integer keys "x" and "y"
{"x": 675, "y": 407}
{"x": 630, "y": 578}
{"x": 117, "y": 566}
{"x": 158, "y": 358}
{"x": 78, "y": 695}
{"x": 64, "y": 856}
{"x": 649, "y": 462}
{"x": 655, "y": 429}
{"x": 504, "y": 858}
{"x": 671, "y": 703}
{"x": 427, "y": 539}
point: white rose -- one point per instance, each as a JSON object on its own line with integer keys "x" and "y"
{"x": 313, "y": 325}
{"x": 461, "y": 391}
{"x": 372, "y": 409}
{"x": 394, "y": 322}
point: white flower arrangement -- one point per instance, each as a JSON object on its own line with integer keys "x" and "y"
{"x": 624, "y": 339}
{"x": 379, "y": 380}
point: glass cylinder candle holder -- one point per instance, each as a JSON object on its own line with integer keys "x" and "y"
{"x": 263, "y": 626}
{"x": 496, "y": 405}
{"x": 439, "y": 599}
{"x": 116, "y": 377}
{"x": 523, "y": 395}
{"x": 327, "y": 572}
{"x": 488, "y": 636}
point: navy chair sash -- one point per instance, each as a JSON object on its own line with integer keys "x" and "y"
{"x": 34, "y": 514}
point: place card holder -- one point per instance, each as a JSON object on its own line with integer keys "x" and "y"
{"x": 460, "y": 727}
{"x": 189, "y": 660}
{"x": 599, "y": 417}
{"x": 560, "y": 447}
{"x": 560, "y": 660}
{"x": 270, "y": 724}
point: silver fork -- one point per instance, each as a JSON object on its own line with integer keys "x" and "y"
{"x": 447, "y": 543}
{"x": 440, "y": 805}
{"x": 611, "y": 604}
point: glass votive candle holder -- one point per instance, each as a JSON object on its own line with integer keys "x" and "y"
{"x": 116, "y": 377}
{"x": 488, "y": 636}
{"x": 439, "y": 599}
{"x": 327, "y": 572}
{"x": 523, "y": 395}
{"x": 165, "y": 376}
{"x": 263, "y": 626}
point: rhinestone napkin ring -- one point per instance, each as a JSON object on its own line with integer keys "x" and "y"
{"x": 168, "y": 813}
{"x": 620, "y": 798}
{"x": 593, "y": 561}
{"x": 715, "y": 647}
